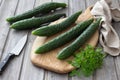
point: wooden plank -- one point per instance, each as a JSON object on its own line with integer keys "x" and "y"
{"x": 39, "y": 2}
{"x": 117, "y": 59}
{"x": 107, "y": 72}
{"x": 27, "y": 68}
{"x": 56, "y": 76}
{"x": 29, "y": 71}
{"x": 76, "y": 5}
{"x": 52, "y": 75}
{"x": 115, "y": 3}
{"x": 90, "y": 2}
{"x": 5, "y": 11}
{"x": 13, "y": 69}
{"x": 117, "y": 64}
{"x": 116, "y": 26}
{"x": 82, "y": 78}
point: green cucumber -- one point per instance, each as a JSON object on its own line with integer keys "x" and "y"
{"x": 35, "y": 22}
{"x": 75, "y": 45}
{"x": 44, "y": 8}
{"x": 64, "y": 38}
{"x": 53, "y": 29}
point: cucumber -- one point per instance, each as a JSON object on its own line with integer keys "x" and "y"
{"x": 53, "y": 29}
{"x": 44, "y": 8}
{"x": 75, "y": 45}
{"x": 35, "y": 22}
{"x": 64, "y": 38}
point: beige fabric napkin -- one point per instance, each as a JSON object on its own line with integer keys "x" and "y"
{"x": 109, "y": 39}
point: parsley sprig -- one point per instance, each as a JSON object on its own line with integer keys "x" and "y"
{"x": 87, "y": 61}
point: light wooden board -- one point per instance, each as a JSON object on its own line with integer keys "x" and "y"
{"x": 49, "y": 60}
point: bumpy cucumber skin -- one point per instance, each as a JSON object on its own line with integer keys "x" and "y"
{"x": 44, "y": 8}
{"x": 64, "y": 38}
{"x": 53, "y": 29}
{"x": 75, "y": 45}
{"x": 35, "y": 22}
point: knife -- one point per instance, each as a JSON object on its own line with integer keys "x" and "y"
{"x": 16, "y": 51}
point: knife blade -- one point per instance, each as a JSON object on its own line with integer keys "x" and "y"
{"x": 16, "y": 51}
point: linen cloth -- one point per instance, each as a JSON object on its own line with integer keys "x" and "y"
{"x": 109, "y": 39}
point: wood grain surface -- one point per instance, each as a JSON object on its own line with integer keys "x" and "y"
{"x": 21, "y": 68}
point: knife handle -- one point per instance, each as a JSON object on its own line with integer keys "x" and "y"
{"x": 5, "y": 61}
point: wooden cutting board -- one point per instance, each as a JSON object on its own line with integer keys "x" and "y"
{"x": 48, "y": 60}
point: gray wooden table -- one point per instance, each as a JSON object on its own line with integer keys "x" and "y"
{"x": 21, "y": 68}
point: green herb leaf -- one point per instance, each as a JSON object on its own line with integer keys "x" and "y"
{"x": 87, "y": 61}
